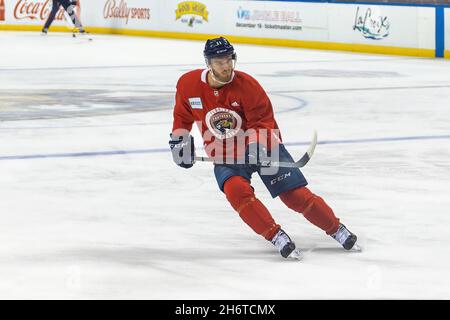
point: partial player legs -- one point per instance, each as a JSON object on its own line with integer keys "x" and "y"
{"x": 51, "y": 17}
{"x": 313, "y": 208}
{"x": 242, "y": 198}
{"x": 70, "y": 8}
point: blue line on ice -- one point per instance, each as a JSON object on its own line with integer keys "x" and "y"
{"x": 161, "y": 150}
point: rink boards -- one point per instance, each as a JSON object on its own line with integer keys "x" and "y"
{"x": 388, "y": 29}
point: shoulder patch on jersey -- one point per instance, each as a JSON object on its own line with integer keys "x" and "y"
{"x": 196, "y": 103}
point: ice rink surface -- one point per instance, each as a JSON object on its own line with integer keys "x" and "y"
{"x": 92, "y": 206}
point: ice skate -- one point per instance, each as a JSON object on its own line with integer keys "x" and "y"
{"x": 346, "y": 238}
{"x": 285, "y": 246}
{"x": 81, "y": 33}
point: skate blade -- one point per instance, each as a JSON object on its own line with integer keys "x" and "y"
{"x": 296, "y": 255}
{"x": 81, "y": 36}
{"x": 356, "y": 248}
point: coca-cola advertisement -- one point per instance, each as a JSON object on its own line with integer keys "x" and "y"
{"x": 37, "y": 10}
{"x": 2, "y": 10}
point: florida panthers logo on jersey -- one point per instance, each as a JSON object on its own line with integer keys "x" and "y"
{"x": 223, "y": 123}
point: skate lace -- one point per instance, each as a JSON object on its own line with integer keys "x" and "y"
{"x": 280, "y": 240}
{"x": 341, "y": 235}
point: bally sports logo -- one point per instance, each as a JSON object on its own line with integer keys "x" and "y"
{"x": 120, "y": 10}
{"x": 2, "y": 10}
{"x": 38, "y": 10}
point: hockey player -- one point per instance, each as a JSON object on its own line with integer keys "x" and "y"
{"x": 227, "y": 104}
{"x": 69, "y": 6}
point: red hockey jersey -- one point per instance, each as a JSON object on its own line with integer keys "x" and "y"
{"x": 229, "y": 118}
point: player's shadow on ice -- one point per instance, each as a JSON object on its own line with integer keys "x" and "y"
{"x": 329, "y": 251}
{"x": 158, "y": 257}
{"x": 152, "y": 257}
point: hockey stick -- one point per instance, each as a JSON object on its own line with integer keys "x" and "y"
{"x": 68, "y": 21}
{"x": 298, "y": 164}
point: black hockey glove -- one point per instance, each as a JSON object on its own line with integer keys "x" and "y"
{"x": 183, "y": 150}
{"x": 255, "y": 153}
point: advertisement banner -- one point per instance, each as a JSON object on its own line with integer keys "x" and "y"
{"x": 261, "y": 19}
{"x": 321, "y": 25}
{"x": 32, "y": 12}
{"x": 278, "y": 20}
{"x": 2, "y": 11}
{"x": 123, "y": 14}
{"x": 382, "y": 25}
{"x": 131, "y": 14}
{"x": 201, "y": 16}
